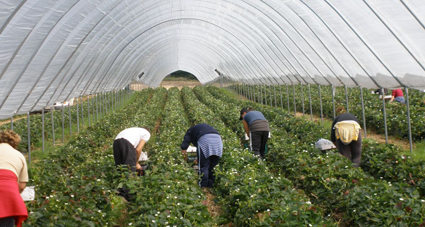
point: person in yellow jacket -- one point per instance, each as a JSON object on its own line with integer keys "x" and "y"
{"x": 346, "y": 135}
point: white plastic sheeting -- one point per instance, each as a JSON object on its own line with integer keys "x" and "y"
{"x": 53, "y": 50}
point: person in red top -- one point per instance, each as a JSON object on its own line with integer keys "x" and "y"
{"x": 397, "y": 96}
{"x": 13, "y": 180}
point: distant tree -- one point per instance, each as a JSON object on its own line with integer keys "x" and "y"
{"x": 182, "y": 75}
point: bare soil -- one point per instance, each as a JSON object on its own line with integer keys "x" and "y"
{"x": 213, "y": 209}
{"x": 3, "y": 122}
{"x": 179, "y": 84}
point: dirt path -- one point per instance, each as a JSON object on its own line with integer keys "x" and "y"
{"x": 14, "y": 119}
{"x": 179, "y": 84}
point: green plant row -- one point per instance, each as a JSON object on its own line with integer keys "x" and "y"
{"x": 75, "y": 185}
{"x": 380, "y": 160}
{"x": 249, "y": 194}
{"x": 349, "y": 194}
{"x": 396, "y": 113}
{"x": 168, "y": 195}
{"x": 87, "y": 109}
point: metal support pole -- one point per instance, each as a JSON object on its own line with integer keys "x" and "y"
{"x": 111, "y": 101}
{"x": 101, "y": 104}
{"x": 275, "y": 100}
{"x": 302, "y": 98}
{"x": 78, "y": 116}
{"x": 70, "y": 120}
{"x": 346, "y": 99}
{"x": 261, "y": 94}
{"x": 11, "y": 123}
{"x": 333, "y": 100}
{"x": 287, "y": 98}
{"x": 94, "y": 108}
{"x": 385, "y": 116}
{"x": 271, "y": 96}
{"x": 281, "y": 101}
{"x": 88, "y": 108}
{"x": 29, "y": 137}
{"x": 408, "y": 118}
{"x": 321, "y": 107}
{"x": 63, "y": 126}
{"x": 309, "y": 98}
{"x": 295, "y": 101}
{"x": 97, "y": 107}
{"x": 53, "y": 126}
{"x": 363, "y": 113}
{"x": 82, "y": 112}
{"x": 255, "y": 93}
{"x": 265, "y": 94}
{"x": 42, "y": 128}
{"x": 250, "y": 92}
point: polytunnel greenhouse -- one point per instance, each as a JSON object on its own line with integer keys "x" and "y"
{"x": 76, "y": 73}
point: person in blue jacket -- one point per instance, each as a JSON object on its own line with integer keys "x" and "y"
{"x": 257, "y": 129}
{"x": 209, "y": 148}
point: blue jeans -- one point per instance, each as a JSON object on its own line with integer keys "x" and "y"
{"x": 400, "y": 99}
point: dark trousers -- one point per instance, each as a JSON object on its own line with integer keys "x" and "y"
{"x": 206, "y": 169}
{"x": 258, "y": 142}
{"x": 125, "y": 154}
{"x": 7, "y": 222}
{"x": 352, "y": 151}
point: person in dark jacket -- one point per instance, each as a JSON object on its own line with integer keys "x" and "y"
{"x": 209, "y": 148}
{"x": 346, "y": 135}
{"x": 257, "y": 129}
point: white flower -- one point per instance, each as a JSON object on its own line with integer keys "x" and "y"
{"x": 308, "y": 202}
{"x": 130, "y": 223}
{"x": 401, "y": 199}
{"x": 153, "y": 221}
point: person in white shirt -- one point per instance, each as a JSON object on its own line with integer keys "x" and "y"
{"x": 128, "y": 146}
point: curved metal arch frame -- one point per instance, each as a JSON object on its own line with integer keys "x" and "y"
{"x": 221, "y": 52}
{"x": 148, "y": 44}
